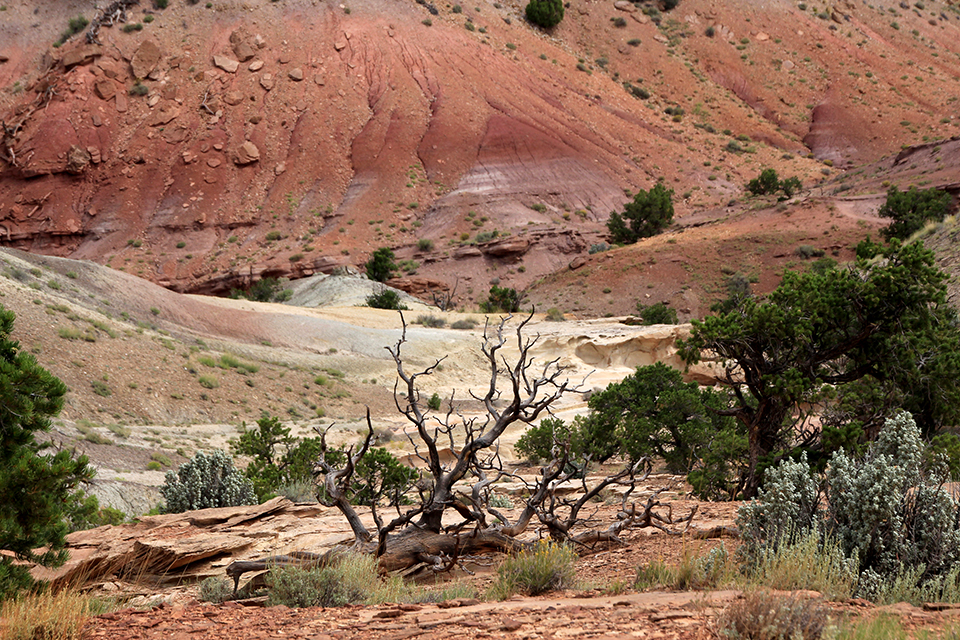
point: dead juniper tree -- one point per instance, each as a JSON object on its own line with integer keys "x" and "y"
{"x": 452, "y": 518}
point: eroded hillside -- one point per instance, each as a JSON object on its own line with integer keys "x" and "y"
{"x": 286, "y": 138}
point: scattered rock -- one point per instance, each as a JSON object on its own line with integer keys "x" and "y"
{"x": 267, "y": 81}
{"x": 241, "y": 48}
{"x": 623, "y": 5}
{"x": 80, "y": 55}
{"x": 279, "y": 169}
{"x": 77, "y": 160}
{"x": 227, "y": 64}
{"x": 164, "y": 114}
{"x": 233, "y": 98}
{"x": 296, "y": 74}
{"x": 213, "y": 163}
{"x": 762, "y": 37}
{"x": 145, "y": 59}
{"x": 577, "y": 262}
{"x": 256, "y": 65}
{"x": 247, "y": 153}
{"x": 105, "y": 89}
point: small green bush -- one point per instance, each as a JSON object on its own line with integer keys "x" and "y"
{"x": 546, "y": 567}
{"x": 545, "y": 13}
{"x": 425, "y": 244}
{"x": 807, "y": 251}
{"x": 648, "y": 214}
{"x": 434, "y": 402}
{"x": 385, "y": 299}
{"x": 208, "y": 382}
{"x": 353, "y": 578}
{"x": 502, "y": 299}
{"x": 381, "y": 266}
{"x": 657, "y": 313}
{"x": 208, "y": 480}
{"x": 100, "y": 388}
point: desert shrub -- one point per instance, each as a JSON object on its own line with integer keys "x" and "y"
{"x": 692, "y": 572}
{"x": 74, "y": 26}
{"x": 215, "y": 590}
{"x": 100, "y": 388}
{"x": 910, "y": 210}
{"x": 504, "y": 299}
{"x": 381, "y": 477}
{"x": 385, "y": 298}
{"x": 545, "y": 567}
{"x": 885, "y": 510}
{"x": 807, "y": 251}
{"x": 648, "y": 214}
{"x": 657, "y": 313}
{"x": 810, "y": 561}
{"x": 768, "y": 183}
{"x": 765, "y": 616}
{"x": 208, "y": 382}
{"x": 380, "y": 266}
{"x": 464, "y": 325}
{"x": 555, "y": 315}
{"x": 139, "y": 89}
{"x": 598, "y": 247}
{"x": 435, "y": 322}
{"x": 209, "y": 480}
{"x": 434, "y": 402}
{"x": 263, "y": 290}
{"x": 710, "y": 31}
{"x": 425, "y": 244}
{"x": 945, "y": 448}
{"x": 545, "y": 13}
{"x": 351, "y": 578}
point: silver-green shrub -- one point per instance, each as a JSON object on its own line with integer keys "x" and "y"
{"x": 209, "y": 480}
{"x": 887, "y": 512}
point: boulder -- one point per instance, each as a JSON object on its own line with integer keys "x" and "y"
{"x": 145, "y": 59}
{"x": 246, "y": 153}
{"x": 512, "y": 246}
{"x": 80, "y": 55}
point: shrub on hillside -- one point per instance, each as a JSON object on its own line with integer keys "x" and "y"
{"x": 768, "y": 183}
{"x": 209, "y": 480}
{"x": 503, "y": 299}
{"x": 545, "y": 13}
{"x": 648, "y": 214}
{"x": 381, "y": 266}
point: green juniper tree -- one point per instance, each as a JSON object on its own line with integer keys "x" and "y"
{"x": 39, "y": 488}
{"x": 884, "y": 318}
{"x": 650, "y": 213}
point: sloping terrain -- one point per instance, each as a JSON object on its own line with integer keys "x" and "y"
{"x": 286, "y": 138}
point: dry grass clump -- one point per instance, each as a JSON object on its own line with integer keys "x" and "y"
{"x": 47, "y": 615}
{"x": 764, "y": 616}
{"x": 547, "y": 566}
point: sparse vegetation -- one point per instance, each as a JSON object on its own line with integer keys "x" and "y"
{"x": 208, "y": 480}
{"x": 503, "y": 299}
{"x": 546, "y": 567}
{"x": 380, "y": 266}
